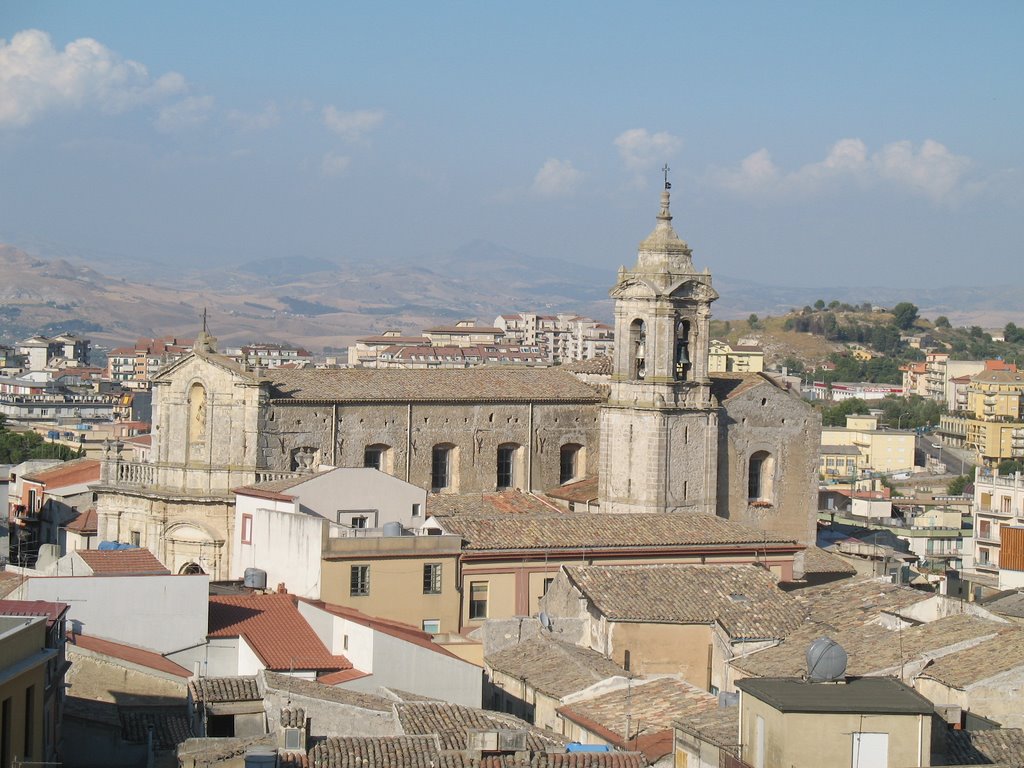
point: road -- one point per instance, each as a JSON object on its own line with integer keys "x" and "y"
{"x": 958, "y": 462}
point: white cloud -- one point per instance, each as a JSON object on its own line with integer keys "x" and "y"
{"x": 932, "y": 170}
{"x": 641, "y": 150}
{"x": 268, "y": 117}
{"x": 556, "y": 178}
{"x": 334, "y": 164}
{"x": 36, "y": 78}
{"x": 351, "y": 126}
{"x": 188, "y": 113}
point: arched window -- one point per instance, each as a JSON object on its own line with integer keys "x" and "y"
{"x": 378, "y": 456}
{"x": 508, "y": 470}
{"x": 442, "y": 467}
{"x": 570, "y": 462}
{"x": 191, "y": 569}
{"x": 638, "y": 350}
{"x": 760, "y": 476}
{"x": 683, "y": 362}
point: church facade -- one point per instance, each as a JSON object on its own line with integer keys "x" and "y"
{"x": 662, "y": 434}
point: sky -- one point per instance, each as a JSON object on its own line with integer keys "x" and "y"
{"x": 810, "y": 143}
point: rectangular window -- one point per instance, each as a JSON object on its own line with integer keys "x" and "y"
{"x": 433, "y": 626}
{"x": 1004, "y": 505}
{"x": 984, "y": 529}
{"x": 506, "y": 464}
{"x": 547, "y": 584}
{"x": 136, "y": 539}
{"x": 478, "y": 600}
{"x": 372, "y": 457}
{"x": 440, "y": 468}
{"x": 432, "y": 578}
{"x": 359, "y": 581}
{"x": 417, "y": 510}
{"x": 359, "y": 521}
{"x": 5, "y": 734}
{"x": 247, "y": 529}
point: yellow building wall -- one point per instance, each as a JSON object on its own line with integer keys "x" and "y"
{"x": 677, "y": 649}
{"x": 812, "y": 740}
{"x": 15, "y": 648}
{"x": 396, "y": 589}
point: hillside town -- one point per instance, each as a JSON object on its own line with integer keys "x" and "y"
{"x": 544, "y": 541}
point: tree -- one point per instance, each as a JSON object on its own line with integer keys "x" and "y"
{"x": 835, "y": 416}
{"x": 905, "y": 315}
{"x": 1009, "y": 466}
{"x": 819, "y": 304}
{"x": 958, "y": 485}
{"x": 833, "y": 304}
{"x": 752, "y": 320}
{"x": 942, "y": 322}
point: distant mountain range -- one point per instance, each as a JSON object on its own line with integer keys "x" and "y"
{"x": 321, "y": 303}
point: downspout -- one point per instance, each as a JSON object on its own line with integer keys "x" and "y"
{"x": 334, "y": 435}
{"x": 408, "y": 445}
{"x": 529, "y": 454}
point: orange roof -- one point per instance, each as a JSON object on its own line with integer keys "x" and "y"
{"x": 72, "y": 472}
{"x": 344, "y": 676}
{"x": 122, "y": 562}
{"x": 274, "y": 629}
{"x": 129, "y": 653}
{"x": 52, "y": 611}
{"x": 86, "y": 522}
{"x": 999, "y": 365}
{"x": 146, "y": 439}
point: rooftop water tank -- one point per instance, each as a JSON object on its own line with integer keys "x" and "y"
{"x": 255, "y": 578}
{"x": 826, "y": 661}
{"x": 393, "y": 529}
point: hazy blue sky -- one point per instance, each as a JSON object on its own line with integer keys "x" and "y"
{"x": 812, "y": 143}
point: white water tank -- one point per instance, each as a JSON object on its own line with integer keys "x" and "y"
{"x": 255, "y": 578}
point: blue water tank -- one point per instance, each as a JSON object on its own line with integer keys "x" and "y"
{"x": 575, "y": 746}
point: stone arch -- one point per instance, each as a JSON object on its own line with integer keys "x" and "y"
{"x": 761, "y": 477}
{"x": 191, "y": 568}
{"x": 571, "y": 462}
{"x": 637, "y": 349}
{"x": 198, "y": 414}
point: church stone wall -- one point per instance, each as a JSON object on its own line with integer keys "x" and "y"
{"x": 339, "y": 434}
{"x": 766, "y": 418}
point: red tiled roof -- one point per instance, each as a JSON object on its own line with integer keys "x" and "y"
{"x": 71, "y": 472}
{"x": 52, "y": 611}
{"x": 129, "y": 653}
{"x": 85, "y": 523}
{"x": 274, "y": 629}
{"x": 344, "y": 676}
{"x": 122, "y": 562}
{"x": 140, "y": 439}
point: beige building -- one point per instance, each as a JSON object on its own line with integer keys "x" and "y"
{"x": 998, "y": 503}
{"x": 881, "y": 450}
{"x": 860, "y": 722}
{"x": 741, "y": 358}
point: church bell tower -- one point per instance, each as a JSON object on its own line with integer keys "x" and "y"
{"x": 659, "y": 428}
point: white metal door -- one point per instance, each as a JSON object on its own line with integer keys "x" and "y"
{"x": 870, "y": 750}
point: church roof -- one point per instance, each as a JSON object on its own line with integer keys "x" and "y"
{"x": 592, "y": 530}
{"x": 481, "y": 384}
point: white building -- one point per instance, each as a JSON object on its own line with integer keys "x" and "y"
{"x": 281, "y": 526}
{"x": 998, "y": 504}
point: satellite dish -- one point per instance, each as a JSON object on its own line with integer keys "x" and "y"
{"x": 545, "y": 621}
{"x": 826, "y": 661}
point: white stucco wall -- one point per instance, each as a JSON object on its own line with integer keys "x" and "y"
{"x": 160, "y": 613}
{"x": 332, "y": 631}
{"x": 285, "y": 544}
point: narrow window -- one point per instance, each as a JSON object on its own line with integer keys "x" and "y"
{"x": 136, "y": 539}
{"x": 440, "y": 467}
{"x": 760, "y": 471}
{"x": 359, "y": 581}
{"x": 547, "y": 585}
{"x": 432, "y": 626}
{"x": 569, "y": 461}
{"x": 417, "y": 510}
{"x": 638, "y": 350}
{"x": 478, "y": 600}
{"x": 682, "y": 362}
{"x": 30, "y": 716}
{"x": 432, "y": 578}
{"x": 247, "y": 529}
{"x": 507, "y": 466}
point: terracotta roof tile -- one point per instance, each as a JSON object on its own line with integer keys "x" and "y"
{"x": 310, "y": 689}
{"x": 552, "y": 667}
{"x": 450, "y": 722}
{"x": 718, "y": 726}
{"x": 122, "y": 562}
{"x": 871, "y": 648}
{"x": 129, "y": 653}
{"x": 224, "y": 689}
{"x": 1001, "y": 746}
{"x": 170, "y": 725}
{"x": 85, "y": 523}
{"x": 579, "y": 492}
{"x": 601, "y": 366}
{"x": 581, "y": 530}
{"x": 52, "y": 611}
{"x": 744, "y": 599}
{"x": 818, "y": 561}
{"x": 274, "y": 629}
{"x": 852, "y": 602}
{"x": 74, "y": 472}
{"x": 501, "y": 502}
{"x": 1000, "y": 654}
{"x": 480, "y": 384}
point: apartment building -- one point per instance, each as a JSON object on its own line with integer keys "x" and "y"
{"x": 880, "y": 450}
{"x": 741, "y": 358}
{"x": 268, "y": 355}
{"x": 135, "y": 366}
{"x": 998, "y": 504}
{"x": 561, "y": 338}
